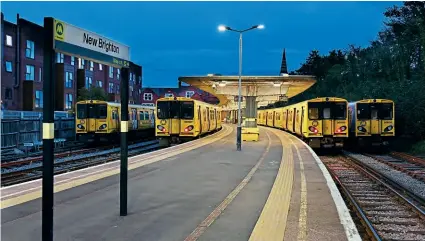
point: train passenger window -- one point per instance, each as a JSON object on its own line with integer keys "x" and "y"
{"x": 339, "y": 110}
{"x": 103, "y": 111}
{"x": 141, "y": 115}
{"x": 81, "y": 111}
{"x": 374, "y": 113}
{"x": 386, "y": 111}
{"x": 187, "y": 111}
{"x": 327, "y": 113}
{"x": 146, "y": 115}
{"x": 174, "y": 109}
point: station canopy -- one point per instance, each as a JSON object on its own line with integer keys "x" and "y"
{"x": 267, "y": 89}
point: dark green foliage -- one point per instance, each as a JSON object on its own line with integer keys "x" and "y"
{"x": 392, "y": 67}
{"x": 94, "y": 93}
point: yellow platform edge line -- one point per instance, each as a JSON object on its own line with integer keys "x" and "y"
{"x": 271, "y": 224}
{"x": 57, "y": 188}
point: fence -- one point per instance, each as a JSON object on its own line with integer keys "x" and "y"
{"x": 19, "y": 127}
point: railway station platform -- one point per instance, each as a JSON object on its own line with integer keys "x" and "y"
{"x": 274, "y": 189}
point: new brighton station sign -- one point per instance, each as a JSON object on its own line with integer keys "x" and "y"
{"x": 88, "y": 45}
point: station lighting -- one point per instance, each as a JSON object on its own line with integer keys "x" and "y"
{"x": 223, "y": 28}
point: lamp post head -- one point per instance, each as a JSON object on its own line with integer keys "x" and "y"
{"x": 222, "y": 28}
{"x": 261, "y": 26}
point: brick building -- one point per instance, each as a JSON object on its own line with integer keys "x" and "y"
{"x": 22, "y": 71}
{"x": 149, "y": 96}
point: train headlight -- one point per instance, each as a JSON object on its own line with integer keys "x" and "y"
{"x": 189, "y": 128}
{"x": 361, "y": 128}
{"x": 341, "y": 129}
{"x": 102, "y": 127}
{"x": 80, "y": 126}
{"x": 161, "y": 128}
{"x": 313, "y": 129}
{"x": 388, "y": 128}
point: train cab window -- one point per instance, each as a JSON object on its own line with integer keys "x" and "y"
{"x": 103, "y": 111}
{"x": 386, "y": 111}
{"x": 92, "y": 111}
{"x": 313, "y": 113}
{"x": 363, "y": 111}
{"x": 339, "y": 111}
{"x": 81, "y": 111}
{"x": 186, "y": 109}
{"x": 327, "y": 113}
{"x": 163, "y": 109}
{"x": 141, "y": 115}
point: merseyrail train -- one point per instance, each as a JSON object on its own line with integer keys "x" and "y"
{"x": 179, "y": 119}
{"x": 98, "y": 120}
{"x": 371, "y": 122}
{"x": 321, "y": 122}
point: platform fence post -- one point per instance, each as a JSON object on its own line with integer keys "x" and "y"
{"x": 124, "y": 141}
{"x": 48, "y": 129}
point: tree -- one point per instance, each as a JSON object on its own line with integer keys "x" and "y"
{"x": 94, "y": 93}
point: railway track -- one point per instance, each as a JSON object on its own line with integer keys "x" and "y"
{"x": 32, "y": 170}
{"x": 387, "y": 210}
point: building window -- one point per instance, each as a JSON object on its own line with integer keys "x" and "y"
{"x": 100, "y": 67}
{"x": 147, "y": 96}
{"x": 111, "y": 88}
{"x": 99, "y": 83}
{"x": 68, "y": 102}
{"x": 88, "y": 82}
{"x": 68, "y": 79}
{"x": 8, "y": 94}
{"x": 131, "y": 77}
{"x": 29, "y": 73}
{"x": 8, "y": 66}
{"x": 9, "y": 40}
{"x": 40, "y": 74}
{"x": 29, "y": 51}
{"x": 189, "y": 94}
{"x": 168, "y": 95}
{"x": 91, "y": 66}
{"x": 118, "y": 73}
{"x": 59, "y": 57}
{"x": 118, "y": 89}
{"x": 111, "y": 72}
{"x": 72, "y": 60}
{"x": 81, "y": 64}
{"x": 131, "y": 91}
{"x": 38, "y": 99}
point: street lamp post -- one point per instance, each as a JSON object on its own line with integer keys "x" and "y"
{"x": 223, "y": 28}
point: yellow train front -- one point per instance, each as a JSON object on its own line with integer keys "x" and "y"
{"x": 321, "y": 122}
{"x": 99, "y": 121}
{"x": 180, "y": 119}
{"x": 372, "y": 122}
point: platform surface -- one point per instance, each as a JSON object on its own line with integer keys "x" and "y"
{"x": 209, "y": 192}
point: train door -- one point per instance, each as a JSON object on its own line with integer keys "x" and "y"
{"x": 200, "y": 119}
{"x": 208, "y": 118}
{"x": 286, "y": 119}
{"x": 92, "y": 116}
{"x": 134, "y": 121}
{"x": 302, "y": 121}
{"x": 174, "y": 123}
{"x": 293, "y": 119}
{"x": 374, "y": 120}
{"x": 274, "y": 117}
{"x": 327, "y": 120}
{"x": 215, "y": 116}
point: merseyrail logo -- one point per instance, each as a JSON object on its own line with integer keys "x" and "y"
{"x": 59, "y": 30}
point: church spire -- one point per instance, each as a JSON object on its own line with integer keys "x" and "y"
{"x": 283, "y": 66}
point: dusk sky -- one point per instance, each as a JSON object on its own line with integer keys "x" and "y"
{"x": 172, "y": 39}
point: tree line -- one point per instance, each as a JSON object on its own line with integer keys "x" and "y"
{"x": 391, "y": 67}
